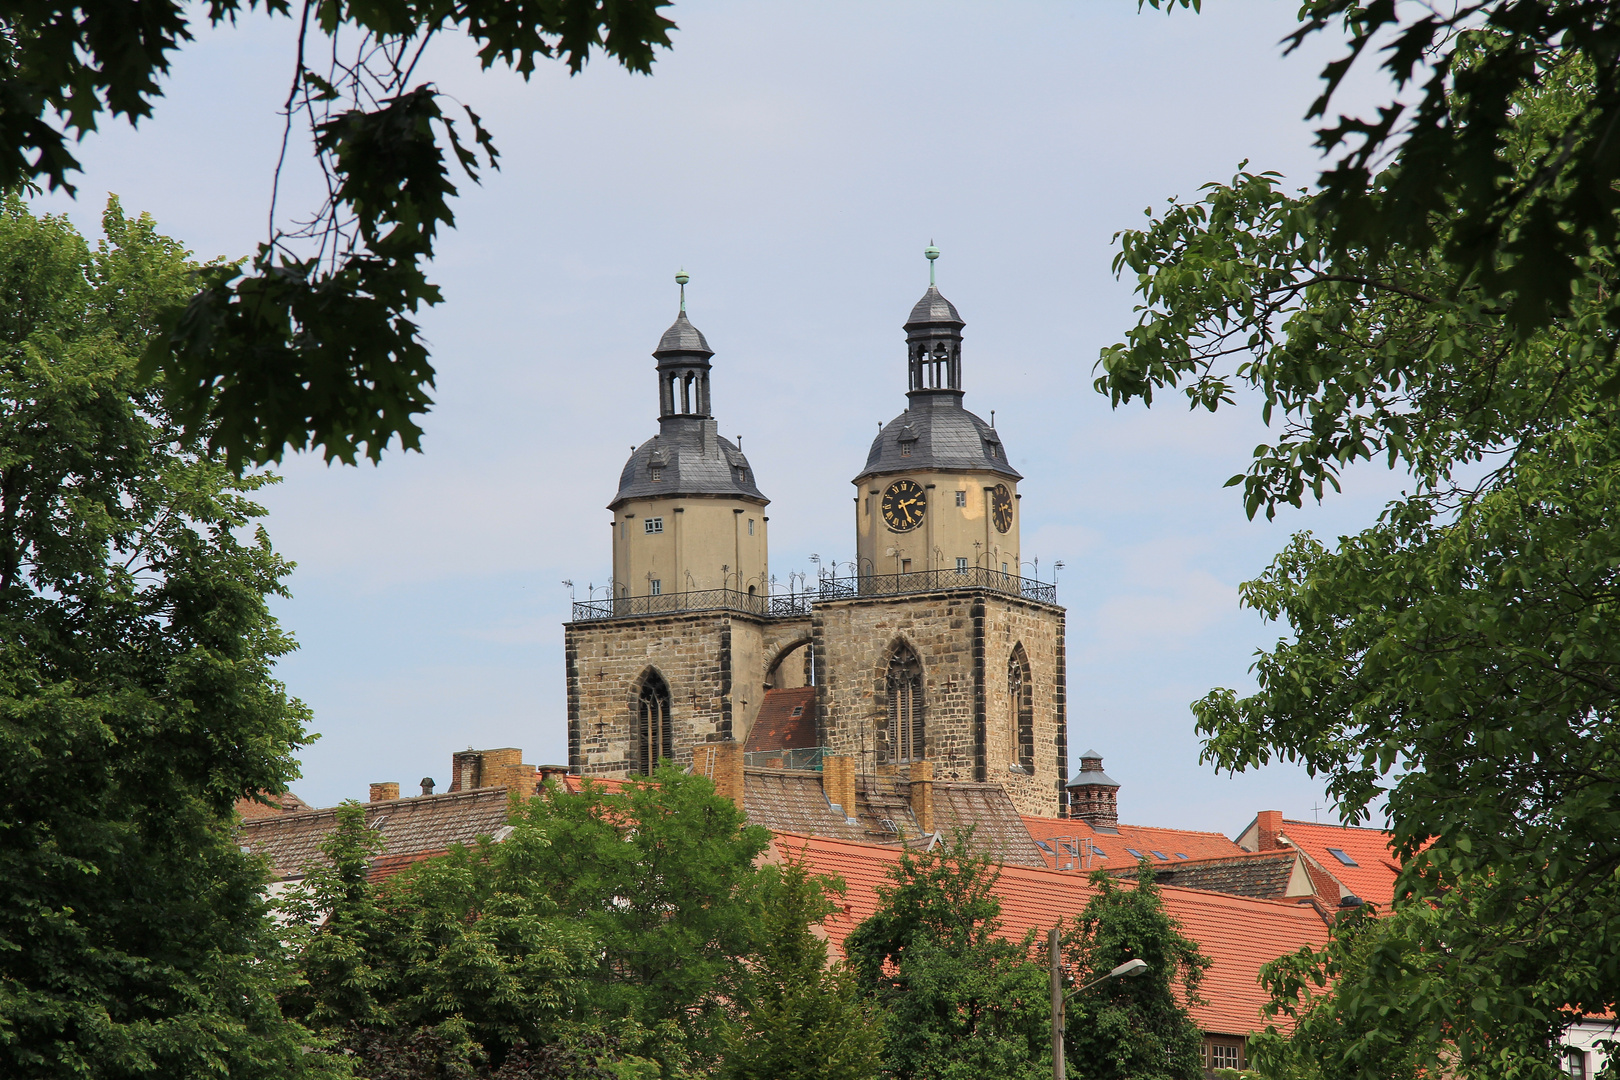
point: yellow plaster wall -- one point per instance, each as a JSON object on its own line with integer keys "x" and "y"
{"x": 701, "y": 536}
{"x": 947, "y": 532}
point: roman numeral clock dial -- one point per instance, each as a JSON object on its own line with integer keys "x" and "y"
{"x": 904, "y": 504}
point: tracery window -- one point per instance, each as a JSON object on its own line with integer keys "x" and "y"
{"x": 905, "y": 707}
{"x": 1021, "y": 704}
{"x": 655, "y": 735}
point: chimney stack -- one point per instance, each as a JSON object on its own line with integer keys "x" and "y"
{"x": 502, "y": 768}
{"x": 838, "y": 783}
{"x": 384, "y": 792}
{"x": 922, "y": 794}
{"x": 427, "y": 785}
{"x": 1268, "y": 826}
{"x": 1093, "y": 795}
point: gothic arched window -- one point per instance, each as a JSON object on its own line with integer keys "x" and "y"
{"x": 1020, "y": 702}
{"x": 905, "y": 707}
{"x": 654, "y": 735}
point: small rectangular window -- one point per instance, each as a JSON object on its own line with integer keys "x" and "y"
{"x": 1225, "y": 1056}
{"x": 1342, "y": 857}
{"x": 869, "y": 506}
{"x": 1003, "y": 568}
{"x": 622, "y": 529}
{"x": 961, "y": 498}
{"x": 905, "y": 566}
{"x": 905, "y": 449}
{"x": 798, "y": 710}
{"x": 1575, "y": 1064}
{"x": 653, "y": 525}
{"x": 750, "y": 526}
{"x": 657, "y": 587}
{"x": 961, "y": 564}
{"x": 657, "y": 474}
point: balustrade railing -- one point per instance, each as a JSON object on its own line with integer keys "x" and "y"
{"x": 795, "y": 605}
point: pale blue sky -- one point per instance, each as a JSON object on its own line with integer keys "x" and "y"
{"x": 795, "y": 159}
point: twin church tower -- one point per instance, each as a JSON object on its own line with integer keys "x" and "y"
{"x": 933, "y": 649}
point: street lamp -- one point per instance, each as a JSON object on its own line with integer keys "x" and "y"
{"x": 1125, "y": 971}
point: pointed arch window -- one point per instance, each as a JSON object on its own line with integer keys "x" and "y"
{"x": 905, "y": 734}
{"x": 655, "y": 735}
{"x": 1020, "y": 701}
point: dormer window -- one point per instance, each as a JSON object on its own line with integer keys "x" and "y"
{"x": 905, "y": 447}
{"x": 656, "y": 473}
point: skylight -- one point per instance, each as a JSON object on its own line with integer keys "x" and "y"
{"x": 1161, "y": 856}
{"x": 1342, "y": 857}
{"x": 1181, "y": 854}
{"x": 1134, "y": 853}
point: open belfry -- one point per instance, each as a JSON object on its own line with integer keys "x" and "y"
{"x": 933, "y": 661}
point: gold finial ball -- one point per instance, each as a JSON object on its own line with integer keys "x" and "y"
{"x": 682, "y": 277}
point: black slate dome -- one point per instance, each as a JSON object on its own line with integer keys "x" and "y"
{"x": 941, "y": 435}
{"x": 683, "y": 337}
{"x": 933, "y": 310}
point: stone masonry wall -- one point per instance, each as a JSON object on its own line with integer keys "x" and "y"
{"x": 714, "y": 663}
{"x": 963, "y": 640}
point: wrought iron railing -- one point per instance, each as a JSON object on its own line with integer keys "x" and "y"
{"x": 922, "y": 581}
{"x": 795, "y": 605}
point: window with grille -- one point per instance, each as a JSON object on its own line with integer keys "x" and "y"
{"x": 653, "y": 525}
{"x": 905, "y": 734}
{"x": 1021, "y": 706}
{"x": 657, "y": 587}
{"x": 750, "y": 526}
{"x": 905, "y": 448}
{"x": 961, "y": 498}
{"x": 657, "y": 474}
{"x": 655, "y": 735}
{"x": 961, "y": 564}
{"x": 1225, "y": 1056}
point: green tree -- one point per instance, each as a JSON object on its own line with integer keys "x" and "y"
{"x": 799, "y": 1019}
{"x": 631, "y": 927}
{"x": 1524, "y": 232}
{"x": 313, "y": 341}
{"x": 959, "y": 1001}
{"x": 1458, "y": 659}
{"x": 1138, "y": 1026}
{"x": 136, "y": 697}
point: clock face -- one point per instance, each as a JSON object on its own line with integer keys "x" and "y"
{"x": 1001, "y": 507}
{"x": 903, "y": 505}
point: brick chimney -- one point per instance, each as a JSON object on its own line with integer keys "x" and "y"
{"x": 838, "y": 782}
{"x": 1093, "y": 795}
{"x": 502, "y": 767}
{"x": 922, "y": 794}
{"x": 384, "y": 792}
{"x": 1268, "y": 826}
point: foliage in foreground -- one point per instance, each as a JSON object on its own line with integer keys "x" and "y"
{"x": 1459, "y": 659}
{"x": 1137, "y": 1026}
{"x": 136, "y": 697}
{"x": 630, "y": 932}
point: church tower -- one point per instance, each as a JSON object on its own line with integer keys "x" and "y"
{"x": 688, "y": 516}
{"x": 937, "y": 493}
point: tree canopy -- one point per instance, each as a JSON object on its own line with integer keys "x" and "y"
{"x": 1456, "y": 661}
{"x": 137, "y": 702}
{"x": 313, "y": 340}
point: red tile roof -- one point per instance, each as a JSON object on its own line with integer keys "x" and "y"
{"x": 285, "y": 803}
{"x": 786, "y": 720}
{"x": 1110, "y": 850}
{"x": 1237, "y": 933}
{"x": 1373, "y": 876}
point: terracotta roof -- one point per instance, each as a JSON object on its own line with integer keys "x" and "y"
{"x": 574, "y": 783}
{"x": 1373, "y": 876}
{"x": 1112, "y": 850}
{"x": 412, "y": 830}
{"x": 1238, "y": 934}
{"x": 786, "y": 720}
{"x": 1264, "y": 875}
{"x": 285, "y": 803}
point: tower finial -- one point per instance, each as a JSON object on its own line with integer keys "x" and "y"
{"x": 932, "y": 253}
{"x": 681, "y": 278}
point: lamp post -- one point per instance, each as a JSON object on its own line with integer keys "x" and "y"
{"x": 1059, "y": 998}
